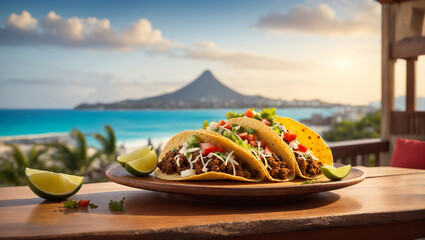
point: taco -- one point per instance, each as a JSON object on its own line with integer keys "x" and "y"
{"x": 261, "y": 142}
{"x": 200, "y": 155}
{"x": 308, "y": 149}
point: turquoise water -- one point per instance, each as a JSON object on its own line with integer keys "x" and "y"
{"x": 128, "y": 125}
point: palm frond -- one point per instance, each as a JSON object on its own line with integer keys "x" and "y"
{"x": 19, "y": 157}
{"x": 65, "y": 155}
{"x": 81, "y": 147}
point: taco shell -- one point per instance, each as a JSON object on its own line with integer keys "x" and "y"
{"x": 310, "y": 139}
{"x": 272, "y": 140}
{"x": 228, "y": 146}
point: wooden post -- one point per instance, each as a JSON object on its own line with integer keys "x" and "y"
{"x": 387, "y": 90}
{"x": 410, "y": 84}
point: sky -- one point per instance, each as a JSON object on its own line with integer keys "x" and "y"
{"x": 58, "y": 54}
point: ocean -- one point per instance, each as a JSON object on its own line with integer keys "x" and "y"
{"x": 130, "y": 126}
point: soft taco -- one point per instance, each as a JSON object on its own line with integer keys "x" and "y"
{"x": 200, "y": 155}
{"x": 261, "y": 142}
{"x": 308, "y": 149}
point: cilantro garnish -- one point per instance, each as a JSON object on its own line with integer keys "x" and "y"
{"x": 92, "y": 205}
{"x": 251, "y": 131}
{"x": 310, "y": 181}
{"x": 117, "y": 206}
{"x": 69, "y": 203}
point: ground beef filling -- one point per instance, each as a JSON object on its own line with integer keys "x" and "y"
{"x": 168, "y": 165}
{"x": 308, "y": 167}
{"x": 279, "y": 169}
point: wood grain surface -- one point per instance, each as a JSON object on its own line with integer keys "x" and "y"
{"x": 393, "y": 198}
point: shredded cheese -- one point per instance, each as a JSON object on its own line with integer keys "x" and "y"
{"x": 177, "y": 158}
{"x": 228, "y": 157}
{"x": 274, "y": 155}
{"x": 202, "y": 159}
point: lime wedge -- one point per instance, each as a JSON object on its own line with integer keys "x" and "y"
{"x": 50, "y": 185}
{"x": 334, "y": 173}
{"x": 122, "y": 159}
{"x": 143, "y": 166}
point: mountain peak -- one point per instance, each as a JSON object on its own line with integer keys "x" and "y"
{"x": 206, "y": 76}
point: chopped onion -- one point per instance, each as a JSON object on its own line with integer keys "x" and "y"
{"x": 293, "y": 145}
{"x": 193, "y": 149}
{"x": 188, "y": 173}
{"x": 204, "y": 168}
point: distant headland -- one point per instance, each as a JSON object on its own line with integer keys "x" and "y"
{"x": 204, "y": 92}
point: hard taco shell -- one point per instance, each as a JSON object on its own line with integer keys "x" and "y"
{"x": 310, "y": 139}
{"x": 228, "y": 146}
{"x": 272, "y": 141}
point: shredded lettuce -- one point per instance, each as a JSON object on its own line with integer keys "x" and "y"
{"x": 277, "y": 130}
{"x": 268, "y": 113}
{"x": 205, "y": 125}
{"x": 192, "y": 142}
{"x": 232, "y": 114}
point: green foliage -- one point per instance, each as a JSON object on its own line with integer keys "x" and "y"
{"x": 59, "y": 157}
{"x": 12, "y": 169}
{"x": 74, "y": 159}
{"x": 367, "y": 127}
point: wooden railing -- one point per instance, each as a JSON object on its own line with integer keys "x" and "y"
{"x": 409, "y": 123}
{"x": 363, "y": 152}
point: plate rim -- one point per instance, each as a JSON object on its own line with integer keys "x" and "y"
{"x": 197, "y": 188}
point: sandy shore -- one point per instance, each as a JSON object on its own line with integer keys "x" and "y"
{"x": 26, "y": 142}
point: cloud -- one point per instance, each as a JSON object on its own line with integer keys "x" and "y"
{"x": 362, "y": 18}
{"x": 24, "y": 21}
{"x": 238, "y": 59}
{"x": 89, "y": 33}
{"x": 93, "y": 33}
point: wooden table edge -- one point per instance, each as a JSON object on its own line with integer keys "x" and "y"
{"x": 247, "y": 229}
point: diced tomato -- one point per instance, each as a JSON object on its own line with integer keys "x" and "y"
{"x": 249, "y": 113}
{"x": 290, "y": 136}
{"x": 228, "y": 126}
{"x": 268, "y": 151}
{"x": 243, "y": 135}
{"x": 219, "y": 148}
{"x": 255, "y": 143}
{"x": 221, "y": 123}
{"x": 266, "y": 121}
{"x": 83, "y": 203}
{"x": 207, "y": 148}
{"x": 302, "y": 148}
{"x": 251, "y": 137}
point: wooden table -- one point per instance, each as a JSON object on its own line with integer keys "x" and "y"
{"x": 389, "y": 203}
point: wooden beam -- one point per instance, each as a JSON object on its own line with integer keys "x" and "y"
{"x": 410, "y": 84}
{"x": 387, "y": 74}
{"x": 392, "y": 1}
{"x": 409, "y": 47}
